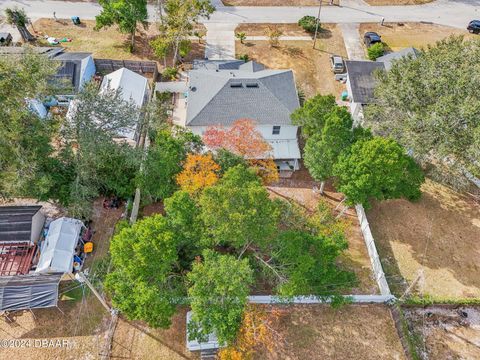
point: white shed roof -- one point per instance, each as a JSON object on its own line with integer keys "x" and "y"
{"x": 57, "y": 251}
{"x": 133, "y": 86}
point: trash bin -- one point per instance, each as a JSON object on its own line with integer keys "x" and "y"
{"x": 76, "y": 20}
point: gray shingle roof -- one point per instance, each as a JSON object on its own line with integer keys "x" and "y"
{"x": 362, "y": 79}
{"x": 16, "y": 222}
{"x": 388, "y": 59}
{"x": 219, "y": 97}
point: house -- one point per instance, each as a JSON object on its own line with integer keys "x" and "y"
{"x": 132, "y": 87}
{"x": 389, "y": 59}
{"x": 219, "y": 92}
{"x": 361, "y": 80}
{"x": 76, "y": 68}
{"x": 361, "y": 84}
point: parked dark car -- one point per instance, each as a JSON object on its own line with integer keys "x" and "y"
{"x": 371, "y": 38}
{"x": 474, "y": 26}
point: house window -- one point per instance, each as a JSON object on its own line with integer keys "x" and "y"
{"x": 276, "y": 130}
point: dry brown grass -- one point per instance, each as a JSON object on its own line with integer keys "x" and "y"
{"x": 417, "y": 35}
{"x": 106, "y": 43}
{"x": 273, "y": 2}
{"x": 396, "y": 2}
{"x": 135, "y": 340}
{"x": 438, "y": 236}
{"x": 310, "y": 66}
{"x": 351, "y": 332}
{"x": 260, "y": 29}
{"x": 83, "y": 325}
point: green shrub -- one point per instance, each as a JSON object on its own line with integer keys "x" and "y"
{"x": 375, "y": 51}
{"x": 244, "y": 57}
{"x": 170, "y": 73}
{"x": 308, "y": 23}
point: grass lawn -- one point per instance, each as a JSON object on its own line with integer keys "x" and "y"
{"x": 418, "y": 35}
{"x": 350, "y": 332}
{"x": 436, "y": 238}
{"x": 106, "y": 43}
{"x": 310, "y": 66}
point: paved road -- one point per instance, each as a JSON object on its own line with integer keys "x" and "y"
{"x": 454, "y": 13}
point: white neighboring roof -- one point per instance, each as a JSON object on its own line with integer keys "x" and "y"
{"x": 57, "y": 251}
{"x": 132, "y": 85}
{"x": 194, "y": 345}
{"x": 285, "y": 149}
{"x": 172, "y": 87}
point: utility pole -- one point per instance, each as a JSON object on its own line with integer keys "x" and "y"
{"x": 317, "y": 23}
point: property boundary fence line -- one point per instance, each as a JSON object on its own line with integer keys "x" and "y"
{"x": 356, "y": 299}
{"x": 372, "y": 251}
{"x": 141, "y": 67}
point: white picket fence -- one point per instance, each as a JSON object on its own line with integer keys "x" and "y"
{"x": 372, "y": 251}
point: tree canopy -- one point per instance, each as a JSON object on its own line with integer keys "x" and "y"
{"x": 127, "y": 14}
{"x": 308, "y": 264}
{"x": 312, "y": 115}
{"x": 379, "y": 169}
{"x": 238, "y": 211}
{"x": 164, "y": 162}
{"x": 98, "y": 163}
{"x": 218, "y": 296}
{"x": 199, "y": 172}
{"x": 143, "y": 283}
{"x": 25, "y": 147}
{"x": 431, "y": 106}
{"x": 322, "y": 149}
{"x": 178, "y": 25}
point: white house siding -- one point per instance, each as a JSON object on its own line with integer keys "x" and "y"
{"x": 356, "y": 109}
{"x": 286, "y": 140}
{"x": 87, "y": 70}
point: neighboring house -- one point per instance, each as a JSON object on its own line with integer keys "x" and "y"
{"x": 133, "y": 87}
{"x": 361, "y": 84}
{"x": 219, "y": 92}
{"x": 76, "y": 68}
{"x": 388, "y": 59}
{"x": 361, "y": 79}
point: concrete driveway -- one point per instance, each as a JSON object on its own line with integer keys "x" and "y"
{"x": 353, "y": 41}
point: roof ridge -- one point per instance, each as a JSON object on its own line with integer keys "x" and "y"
{"x": 274, "y": 95}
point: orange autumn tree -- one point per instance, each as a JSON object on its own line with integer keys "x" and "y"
{"x": 199, "y": 172}
{"x": 257, "y": 333}
{"x": 243, "y": 139}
